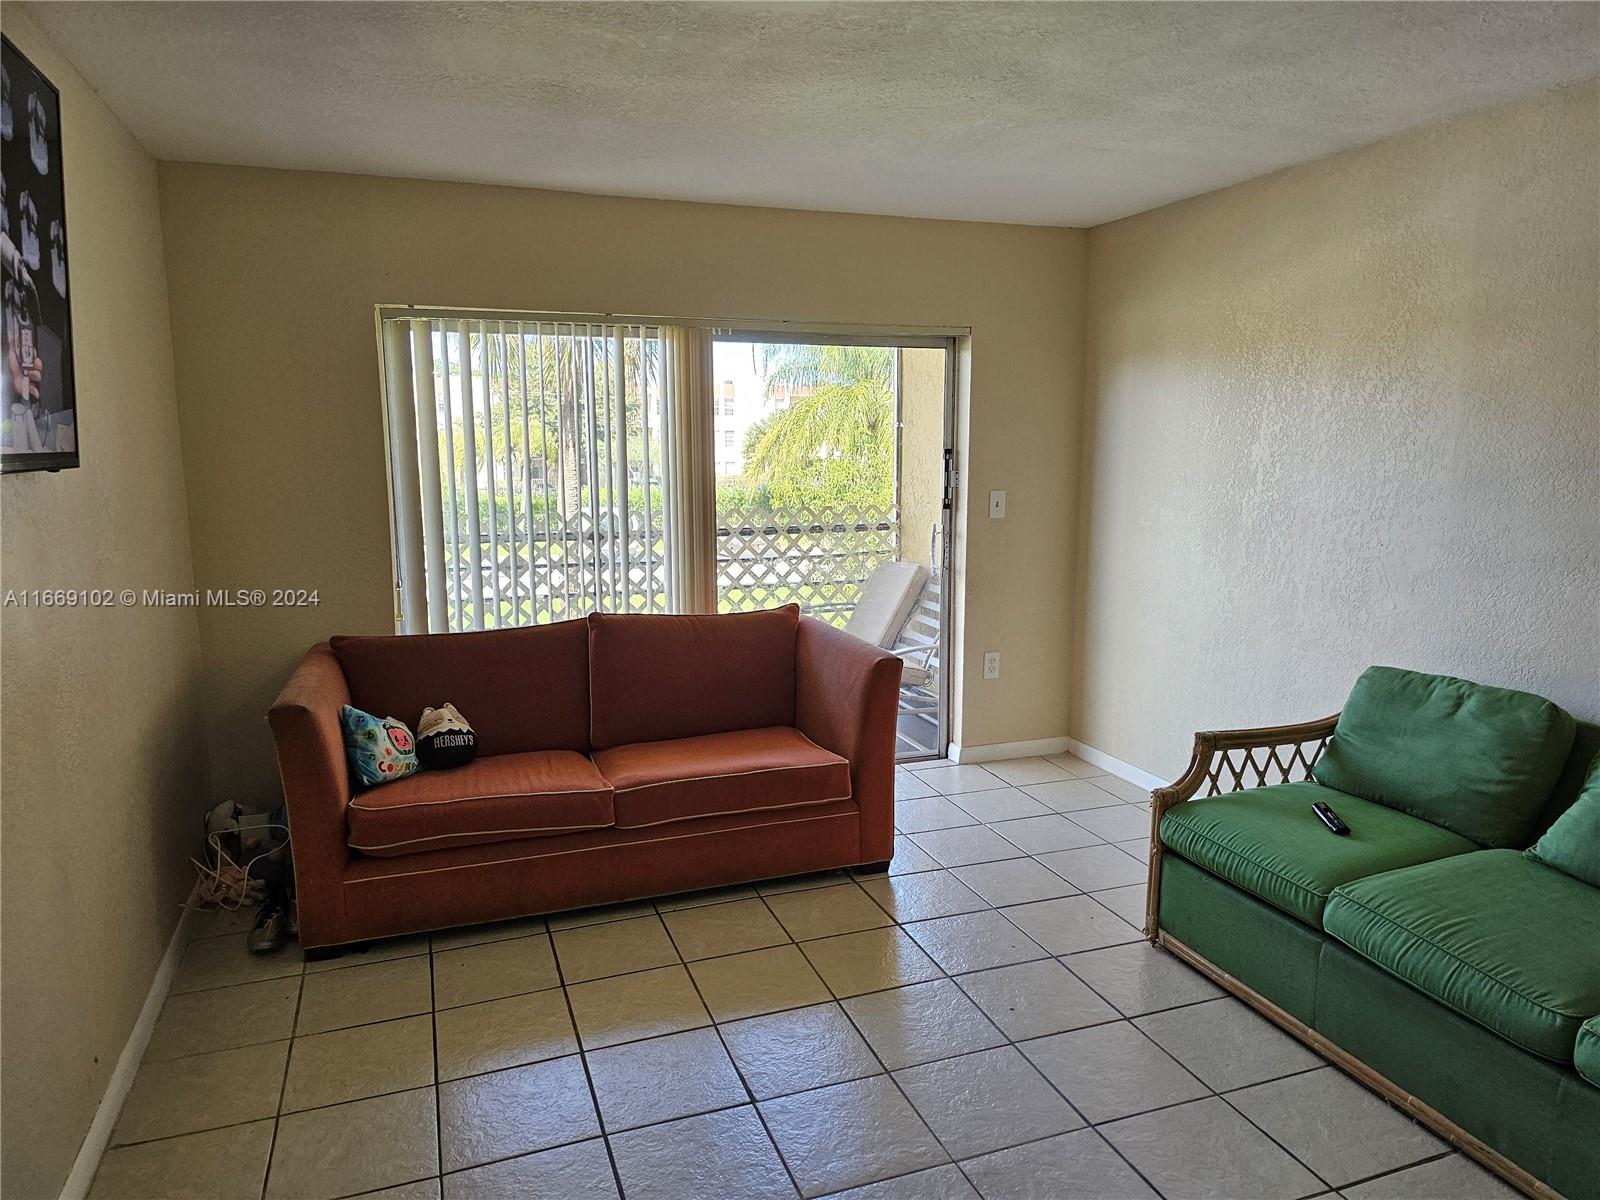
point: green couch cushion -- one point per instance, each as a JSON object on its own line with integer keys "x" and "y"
{"x": 1479, "y": 760}
{"x": 1572, "y": 844}
{"x": 1269, "y": 842}
{"x": 1586, "y": 1050}
{"x": 1494, "y": 935}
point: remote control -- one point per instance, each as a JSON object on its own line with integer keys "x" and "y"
{"x": 1329, "y": 818}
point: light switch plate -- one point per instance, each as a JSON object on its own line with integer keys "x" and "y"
{"x": 991, "y": 664}
{"x": 997, "y": 505}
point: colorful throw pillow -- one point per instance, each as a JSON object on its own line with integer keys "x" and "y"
{"x": 444, "y": 739}
{"x": 379, "y": 751}
{"x": 1572, "y": 844}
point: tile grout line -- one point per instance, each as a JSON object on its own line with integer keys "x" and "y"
{"x": 583, "y": 1058}
{"x": 283, "y": 1087}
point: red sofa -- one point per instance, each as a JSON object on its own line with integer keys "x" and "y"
{"x": 619, "y": 757}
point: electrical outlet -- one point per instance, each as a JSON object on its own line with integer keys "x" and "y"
{"x": 997, "y": 505}
{"x": 991, "y": 664}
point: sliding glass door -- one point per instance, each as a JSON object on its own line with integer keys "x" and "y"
{"x": 831, "y": 494}
{"x": 542, "y": 469}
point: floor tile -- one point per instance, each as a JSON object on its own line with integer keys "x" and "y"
{"x": 1139, "y": 978}
{"x": 180, "y": 1094}
{"x": 1137, "y": 849}
{"x": 1071, "y": 924}
{"x": 613, "y": 948}
{"x": 1127, "y": 902}
{"x": 224, "y": 1018}
{"x": 1133, "y": 793}
{"x": 1111, "y": 1071}
{"x": 1335, "y": 1126}
{"x": 221, "y": 921}
{"x": 505, "y": 1113}
{"x": 645, "y": 1004}
{"x": 924, "y": 764}
{"x": 719, "y": 1154}
{"x": 1013, "y": 881}
{"x": 220, "y": 1164}
{"x": 352, "y": 1064}
{"x": 494, "y": 931}
{"x": 1033, "y": 999}
{"x": 986, "y": 1101}
{"x": 581, "y": 1171}
{"x": 959, "y": 847}
{"x": 382, "y": 950}
{"x": 929, "y": 812}
{"x": 936, "y": 1183}
{"x": 1080, "y": 768}
{"x": 973, "y": 941}
{"x": 493, "y": 970}
{"x": 909, "y": 786}
{"x": 1200, "y": 1151}
{"x": 379, "y": 991}
{"x": 1020, "y": 772}
{"x": 509, "y": 1032}
{"x": 926, "y": 894}
{"x": 710, "y": 929}
{"x": 926, "y": 1021}
{"x": 887, "y": 1137}
{"x": 1071, "y": 795}
{"x": 641, "y": 1083}
{"x": 869, "y": 961}
{"x": 1073, "y": 1166}
{"x": 1120, "y": 824}
{"x": 1001, "y": 804}
{"x": 951, "y": 781}
{"x": 1226, "y": 1045}
{"x": 357, "y": 1147}
{"x": 804, "y": 1048}
{"x": 1094, "y": 867}
{"x": 225, "y": 961}
{"x": 760, "y": 981}
{"x": 721, "y": 895}
{"x": 1452, "y": 1176}
{"x": 1041, "y": 835}
{"x": 601, "y": 914}
{"x": 799, "y": 883}
{"x": 420, "y": 1189}
{"x": 910, "y": 858}
{"x": 823, "y": 912}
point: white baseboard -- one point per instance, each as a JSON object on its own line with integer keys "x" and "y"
{"x": 1122, "y": 770}
{"x": 995, "y": 751}
{"x": 110, "y": 1108}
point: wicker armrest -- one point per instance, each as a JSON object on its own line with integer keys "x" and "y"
{"x": 1230, "y": 760}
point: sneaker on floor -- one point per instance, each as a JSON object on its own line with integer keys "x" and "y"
{"x": 272, "y": 929}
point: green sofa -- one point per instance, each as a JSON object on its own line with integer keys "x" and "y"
{"x": 1446, "y": 951}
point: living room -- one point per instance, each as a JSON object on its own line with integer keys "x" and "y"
{"x": 827, "y": 467}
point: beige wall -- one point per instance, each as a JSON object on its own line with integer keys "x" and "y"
{"x": 100, "y": 758}
{"x": 1345, "y": 414}
{"x": 274, "y": 276}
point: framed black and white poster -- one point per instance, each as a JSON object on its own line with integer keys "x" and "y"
{"x": 39, "y": 424}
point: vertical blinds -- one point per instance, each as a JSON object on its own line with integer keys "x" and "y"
{"x": 537, "y": 469}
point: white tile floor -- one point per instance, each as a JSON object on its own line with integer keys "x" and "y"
{"x": 985, "y": 1021}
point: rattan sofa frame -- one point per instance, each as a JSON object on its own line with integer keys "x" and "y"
{"x": 1232, "y": 760}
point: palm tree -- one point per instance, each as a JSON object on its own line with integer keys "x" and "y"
{"x": 832, "y": 444}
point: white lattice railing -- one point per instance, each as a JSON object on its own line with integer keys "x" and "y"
{"x": 816, "y": 559}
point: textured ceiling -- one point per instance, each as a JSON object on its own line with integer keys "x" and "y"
{"x": 1067, "y": 114}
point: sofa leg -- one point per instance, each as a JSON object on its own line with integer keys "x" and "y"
{"x": 877, "y": 868}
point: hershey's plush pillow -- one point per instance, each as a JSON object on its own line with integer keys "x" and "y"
{"x": 1477, "y": 760}
{"x": 444, "y": 739}
{"x": 1572, "y": 844}
{"x": 379, "y": 751}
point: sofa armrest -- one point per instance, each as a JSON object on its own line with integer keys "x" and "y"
{"x": 1230, "y": 760}
{"x": 316, "y": 783}
{"x": 847, "y": 699}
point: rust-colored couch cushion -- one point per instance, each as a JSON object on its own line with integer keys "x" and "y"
{"x": 654, "y": 679}
{"x": 520, "y": 689}
{"x": 746, "y": 770}
{"x": 493, "y": 799}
